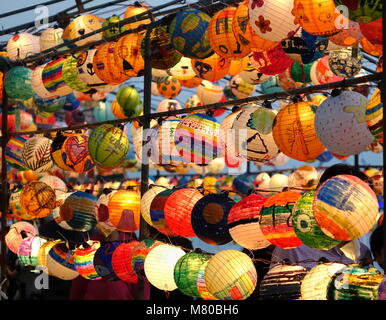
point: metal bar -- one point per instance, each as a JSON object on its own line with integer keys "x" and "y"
{"x": 21, "y": 10}
{"x": 356, "y": 161}
{"x": 79, "y": 5}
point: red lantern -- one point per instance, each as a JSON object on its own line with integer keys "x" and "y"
{"x": 270, "y": 62}
{"x": 373, "y": 31}
{"x": 121, "y": 262}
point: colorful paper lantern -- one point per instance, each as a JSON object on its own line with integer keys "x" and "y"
{"x": 321, "y": 73}
{"x": 168, "y": 105}
{"x": 370, "y": 48}
{"x": 38, "y": 199}
{"x": 159, "y": 266}
{"x": 49, "y": 105}
{"x": 209, "y": 93}
{"x": 103, "y": 112}
{"x": 44, "y": 251}
{"x": 212, "y": 68}
{"x": 50, "y": 37}
{"x": 271, "y": 62}
{"x": 201, "y": 285}
{"x": 121, "y": 262}
{"x": 60, "y": 262}
{"x": 372, "y": 31}
{"x": 183, "y": 70}
{"x": 84, "y": 260}
{"x": 230, "y": 275}
{"x": 17, "y": 233}
{"x": 374, "y": 116}
{"x": 169, "y": 87}
{"x": 18, "y": 83}
{"x": 301, "y": 73}
{"x": 304, "y": 177}
{"x": 52, "y": 76}
{"x": 348, "y": 36}
{"x": 38, "y": 85}
{"x": 345, "y": 62}
{"x": 146, "y": 201}
{"x": 13, "y": 152}
{"x": 129, "y": 101}
{"x": 82, "y": 25}
{"x": 29, "y": 250}
{"x": 191, "y": 83}
{"x": 237, "y": 65}
{"x": 362, "y": 11}
{"x": 70, "y": 75}
{"x": 103, "y": 260}
{"x": 139, "y": 254}
{"x": 346, "y": 219}
{"x": 22, "y": 45}
{"x": 128, "y": 55}
{"x": 102, "y": 213}
{"x": 253, "y": 76}
{"x": 278, "y": 182}
{"x": 275, "y": 220}
{"x": 113, "y": 30}
{"x": 36, "y": 154}
{"x": 57, "y": 184}
{"x": 16, "y": 208}
{"x": 240, "y": 88}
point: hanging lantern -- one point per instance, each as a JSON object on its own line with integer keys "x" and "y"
{"x": 374, "y": 116}
{"x": 17, "y": 233}
{"x": 103, "y": 260}
{"x": 168, "y": 105}
{"x": 212, "y": 69}
{"x": 70, "y": 75}
{"x": 370, "y": 48}
{"x": 16, "y": 208}
{"x": 345, "y": 62}
{"x": 128, "y": 55}
{"x": 159, "y": 266}
{"x": 183, "y": 70}
{"x": 209, "y": 93}
{"x": 44, "y": 251}
{"x": 134, "y": 10}
{"x": 84, "y": 260}
{"x": 60, "y": 262}
{"x": 29, "y": 250}
{"x": 38, "y": 85}
{"x": 348, "y": 37}
{"x": 301, "y": 73}
{"x": 22, "y": 45}
{"x": 113, "y": 30}
{"x": 237, "y": 65}
{"x": 372, "y": 31}
{"x": 124, "y": 210}
{"x": 349, "y": 219}
{"x": 230, "y": 275}
{"x": 362, "y": 11}
{"x": 82, "y": 25}
{"x": 169, "y": 87}
{"x": 36, "y": 154}
{"x": 129, "y": 101}
{"x": 240, "y": 88}
{"x": 294, "y": 132}
{"x": 121, "y": 262}
{"x": 243, "y": 223}
{"x": 57, "y": 184}
{"x": 282, "y": 282}
{"x": 321, "y": 73}
{"x": 56, "y": 150}
{"x": 186, "y": 273}
{"x": 50, "y": 37}
{"x": 52, "y": 76}
{"x": 271, "y": 62}
{"x": 107, "y": 145}
{"x": 18, "y": 84}
{"x": 340, "y": 123}
{"x": 253, "y": 76}
{"x": 13, "y": 152}
{"x": 275, "y": 220}
{"x": 139, "y": 254}
{"x": 102, "y": 213}
{"x": 304, "y": 177}
{"x": 201, "y": 285}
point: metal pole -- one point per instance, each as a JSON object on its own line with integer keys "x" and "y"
{"x": 356, "y": 161}
{"x": 79, "y": 5}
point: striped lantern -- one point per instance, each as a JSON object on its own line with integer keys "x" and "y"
{"x": 102, "y": 213}
{"x": 22, "y": 45}
{"x": 84, "y": 260}
{"x": 50, "y": 37}
{"x": 243, "y": 223}
{"x": 44, "y": 251}
{"x": 29, "y": 250}
{"x": 275, "y": 222}
{"x": 147, "y": 200}
{"x": 13, "y": 152}
{"x": 60, "y": 262}
{"x": 128, "y": 55}
{"x": 38, "y": 85}
{"x": 345, "y": 207}
{"x": 121, "y": 262}
{"x": 139, "y": 254}
{"x": 230, "y": 275}
{"x": 81, "y": 25}
{"x": 212, "y": 68}
{"x": 70, "y": 75}
{"x": 18, "y": 83}
{"x": 282, "y": 282}
{"x": 374, "y": 116}
{"x": 52, "y": 76}
{"x": 103, "y": 260}
{"x": 178, "y": 211}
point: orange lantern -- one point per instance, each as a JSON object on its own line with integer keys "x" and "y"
{"x": 134, "y": 10}
{"x": 169, "y": 87}
{"x": 294, "y": 132}
{"x": 121, "y": 262}
{"x": 128, "y": 50}
{"x": 237, "y": 65}
{"x": 370, "y": 48}
{"x": 117, "y": 110}
{"x": 221, "y": 36}
{"x": 188, "y": 83}
{"x": 212, "y": 69}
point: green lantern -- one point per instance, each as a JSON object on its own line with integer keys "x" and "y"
{"x": 128, "y": 99}
{"x": 114, "y": 30}
{"x": 70, "y": 75}
{"x": 301, "y": 72}
{"x": 18, "y": 84}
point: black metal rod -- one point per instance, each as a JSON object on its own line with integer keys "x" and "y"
{"x": 356, "y": 161}
{"x": 21, "y": 10}
{"x": 79, "y": 5}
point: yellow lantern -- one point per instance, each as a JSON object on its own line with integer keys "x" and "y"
{"x": 212, "y": 69}
{"x": 128, "y": 50}
{"x": 134, "y": 10}
{"x": 146, "y": 200}
{"x": 237, "y": 65}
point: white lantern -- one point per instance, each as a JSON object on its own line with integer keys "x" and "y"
{"x": 147, "y": 198}
{"x": 51, "y": 37}
{"x": 305, "y": 177}
{"x": 183, "y": 70}
{"x": 60, "y": 262}
{"x": 36, "y": 154}
{"x": 278, "y": 182}
{"x": 168, "y": 105}
{"x": 216, "y": 165}
{"x": 253, "y": 76}
{"x": 22, "y": 45}
{"x": 37, "y": 83}
{"x": 209, "y": 93}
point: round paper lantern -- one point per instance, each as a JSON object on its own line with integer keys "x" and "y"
{"x": 22, "y": 45}
{"x": 213, "y": 68}
{"x": 16, "y": 208}
{"x": 186, "y": 273}
{"x": 159, "y": 266}
{"x": 134, "y": 10}
{"x": 372, "y": 31}
{"x": 316, "y": 17}
{"x": 340, "y": 123}
{"x": 70, "y": 75}
{"x": 304, "y": 177}
{"x": 321, "y": 73}
{"x": 168, "y": 105}
{"x": 261, "y": 182}
{"x": 18, "y": 84}
{"x": 191, "y": 83}
{"x": 36, "y": 154}
{"x": 237, "y": 65}
{"x": 38, "y": 199}
{"x": 253, "y": 76}
{"x": 128, "y": 54}
{"x": 37, "y": 83}
{"x": 240, "y": 88}
{"x": 78, "y": 210}
{"x": 183, "y": 70}
{"x": 306, "y": 227}
{"x": 355, "y": 282}
{"x": 82, "y": 25}
{"x": 178, "y": 211}
{"x": 370, "y": 48}
{"x": 271, "y": 62}
{"x": 345, "y": 207}
{"x": 129, "y": 101}
{"x": 139, "y": 254}
{"x": 52, "y": 76}
{"x": 345, "y": 62}
{"x": 169, "y": 87}
{"x": 57, "y": 184}
{"x": 209, "y": 93}
{"x": 243, "y": 223}
{"x": 196, "y": 138}
{"x": 13, "y": 152}
{"x": 294, "y": 132}
{"x": 121, "y": 262}
{"x": 103, "y": 260}
{"x": 362, "y": 11}
{"x": 44, "y": 250}
{"x": 146, "y": 202}
{"x": 275, "y": 222}
{"x": 201, "y": 285}
{"x": 50, "y": 37}
{"x": 230, "y": 275}
{"x": 17, "y": 233}
{"x": 102, "y": 213}
{"x": 29, "y": 250}
{"x": 107, "y": 145}
{"x": 113, "y": 30}
{"x": 124, "y": 210}
{"x": 381, "y": 290}
{"x": 349, "y": 36}
{"x": 278, "y": 182}
{"x": 315, "y": 283}
{"x": 374, "y": 116}
{"x": 84, "y": 260}
{"x": 60, "y": 262}
{"x": 301, "y": 73}
{"x": 282, "y": 282}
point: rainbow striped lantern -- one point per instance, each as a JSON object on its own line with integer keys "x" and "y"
{"x": 121, "y": 262}
{"x": 102, "y": 213}
{"x": 305, "y": 226}
{"x": 29, "y": 250}
{"x": 282, "y": 282}
{"x": 159, "y": 266}
{"x": 201, "y": 285}
{"x": 22, "y": 45}
{"x": 374, "y": 116}
{"x": 243, "y": 223}
{"x": 382, "y": 290}
{"x": 315, "y": 284}
{"x": 13, "y": 152}
{"x": 38, "y": 85}
{"x": 345, "y": 207}
{"x": 355, "y": 282}
{"x": 196, "y": 138}
{"x": 139, "y": 254}
{"x": 61, "y": 263}
{"x": 186, "y": 272}
{"x": 84, "y": 260}
{"x": 103, "y": 260}
{"x": 147, "y": 200}
{"x": 17, "y": 233}
{"x": 209, "y": 218}
{"x": 52, "y": 76}
{"x": 18, "y": 83}
{"x": 275, "y": 220}
{"x": 230, "y": 275}
{"x": 108, "y": 145}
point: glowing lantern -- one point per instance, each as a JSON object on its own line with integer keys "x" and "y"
{"x": 237, "y": 65}
{"x": 294, "y": 132}
{"x": 345, "y": 62}
{"x": 253, "y": 76}
{"x": 372, "y": 31}
{"x": 191, "y": 83}
{"x": 70, "y": 75}
{"x": 18, "y": 84}
{"x": 22, "y": 45}
{"x": 362, "y": 11}
{"x": 134, "y": 10}
{"x": 52, "y": 76}
{"x": 230, "y": 275}
{"x": 169, "y": 87}
{"x": 84, "y": 260}
{"x": 50, "y": 37}
{"x": 209, "y": 93}
{"x": 240, "y": 88}
{"x": 17, "y": 233}
{"x": 103, "y": 260}
{"x": 128, "y": 54}
{"x": 121, "y": 262}
{"x": 201, "y": 285}
{"x": 13, "y": 152}
{"x": 374, "y": 116}
{"x": 159, "y": 266}
{"x": 183, "y": 70}
{"x": 37, "y": 83}
{"x": 282, "y": 282}
{"x": 129, "y": 101}
{"x": 60, "y": 262}
{"x": 212, "y": 69}
{"x": 189, "y": 34}
{"x": 29, "y": 250}
{"x": 124, "y": 210}
{"x": 305, "y": 177}
{"x": 349, "y": 219}
{"x": 274, "y": 223}
{"x": 340, "y": 123}
{"x": 82, "y": 25}
{"x": 36, "y": 154}
{"x": 102, "y": 213}
{"x": 108, "y": 145}
{"x": 139, "y": 254}
{"x": 38, "y": 199}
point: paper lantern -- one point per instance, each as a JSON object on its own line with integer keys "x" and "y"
{"x": 60, "y": 262}
{"x": 209, "y": 93}
{"x": 196, "y": 138}
{"x": 201, "y": 285}
{"x": 38, "y": 199}
{"x": 275, "y": 220}
{"x": 18, "y": 84}
{"x": 240, "y": 88}
{"x": 128, "y": 55}
{"x": 304, "y": 177}
{"x": 168, "y": 105}
{"x": 139, "y": 254}
{"x": 102, "y": 213}
{"x": 282, "y": 282}
{"x": 113, "y": 30}
{"x": 348, "y": 36}
{"x": 107, "y": 145}
{"x": 345, "y": 62}
{"x": 186, "y": 273}
{"x": 44, "y": 251}
{"x": 374, "y": 116}
{"x": 370, "y": 48}
{"x": 16, "y": 208}
{"x": 36, "y": 154}
{"x": 169, "y": 87}
{"x": 121, "y": 262}
{"x": 271, "y": 62}
{"x": 381, "y": 290}
{"x": 230, "y": 275}
{"x": 316, "y": 17}
{"x": 124, "y": 210}
{"x": 355, "y": 282}
{"x": 50, "y": 37}
{"x": 29, "y": 250}
{"x": 237, "y": 65}
{"x": 17, "y": 233}
{"x": 261, "y": 182}
{"x": 212, "y": 69}
{"x": 22, "y": 45}
{"x": 52, "y": 76}
{"x": 103, "y": 260}
{"x": 191, "y": 83}
{"x": 278, "y": 182}
{"x": 183, "y": 70}
{"x": 82, "y": 25}
{"x": 301, "y": 73}
{"x": 321, "y": 73}
{"x": 78, "y": 210}
{"x": 243, "y": 223}
{"x": 13, "y": 152}
{"x": 57, "y": 184}
{"x": 306, "y": 227}
{"x": 159, "y": 266}
{"x": 134, "y": 10}
{"x": 129, "y": 101}
{"x": 189, "y": 34}
{"x": 349, "y": 219}
{"x": 70, "y": 75}
{"x": 84, "y": 260}
{"x": 340, "y": 123}
{"x": 372, "y": 31}
{"x": 315, "y": 283}
{"x": 253, "y": 76}
{"x": 49, "y": 105}
{"x": 37, "y": 83}
{"x": 362, "y": 11}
